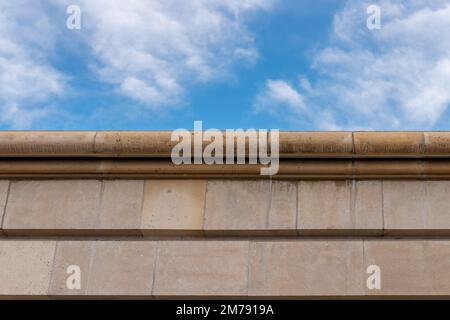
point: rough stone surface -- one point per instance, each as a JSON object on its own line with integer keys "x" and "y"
{"x": 25, "y": 267}
{"x": 219, "y": 268}
{"x": 384, "y": 144}
{"x": 202, "y": 268}
{"x": 46, "y": 143}
{"x": 340, "y": 206}
{"x": 159, "y": 144}
{"x": 122, "y": 268}
{"x": 305, "y": 268}
{"x": 250, "y": 205}
{"x": 437, "y": 143}
{"x": 283, "y": 206}
{"x": 416, "y": 205}
{"x": 367, "y": 205}
{"x": 52, "y": 205}
{"x": 173, "y": 205}
{"x": 310, "y": 144}
{"x": 70, "y": 253}
{"x": 4, "y": 185}
{"x": 324, "y": 205}
{"x": 410, "y": 268}
{"x": 121, "y": 205}
{"x": 135, "y": 143}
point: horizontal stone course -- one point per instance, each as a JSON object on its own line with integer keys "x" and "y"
{"x": 224, "y": 207}
{"x": 293, "y": 144}
{"x": 217, "y": 268}
{"x": 289, "y": 169}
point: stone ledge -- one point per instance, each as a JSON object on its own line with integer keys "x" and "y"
{"x": 230, "y": 208}
{"x": 164, "y": 269}
{"x": 165, "y": 169}
{"x": 157, "y": 144}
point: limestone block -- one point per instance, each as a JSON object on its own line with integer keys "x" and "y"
{"x": 367, "y": 205}
{"x": 305, "y": 268}
{"x": 173, "y": 206}
{"x": 416, "y": 206}
{"x": 202, "y": 268}
{"x": 121, "y": 206}
{"x": 261, "y": 206}
{"x": 324, "y": 205}
{"x": 283, "y": 206}
{"x": 70, "y": 255}
{"x": 51, "y": 206}
{"x": 25, "y": 267}
{"x": 122, "y": 268}
{"x": 339, "y": 207}
{"x": 410, "y": 267}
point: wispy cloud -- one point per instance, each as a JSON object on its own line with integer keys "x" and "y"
{"x": 27, "y": 79}
{"x": 149, "y": 51}
{"x": 278, "y": 93}
{"x": 153, "y": 50}
{"x": 397, "y": 77}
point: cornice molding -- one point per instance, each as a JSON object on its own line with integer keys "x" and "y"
{"x": 146, "y": 154}
{"x": 164, "y": 168}
{"x": 158, "y": 144}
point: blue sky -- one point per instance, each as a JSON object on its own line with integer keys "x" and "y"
{"x": 292, "y": 65}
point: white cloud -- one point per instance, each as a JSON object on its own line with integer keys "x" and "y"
{"x": 280, "y": 98}
{"x": 27, "y": 80}
{"x": 394, "y": 78}
{"x": 279, "y": 93}
{"x": 152, "y": 50}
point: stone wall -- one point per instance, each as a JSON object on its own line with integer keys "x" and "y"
{"x": 140, "y": 233}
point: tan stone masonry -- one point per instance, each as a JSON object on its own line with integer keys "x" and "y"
{"x": 221, "y": 268}
{"x": 114, "y": 205}
{"x": 158, "y": 144}
{"x": 225, "y": 207}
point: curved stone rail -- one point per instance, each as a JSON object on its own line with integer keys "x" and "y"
{"x": 158, "y": 144}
